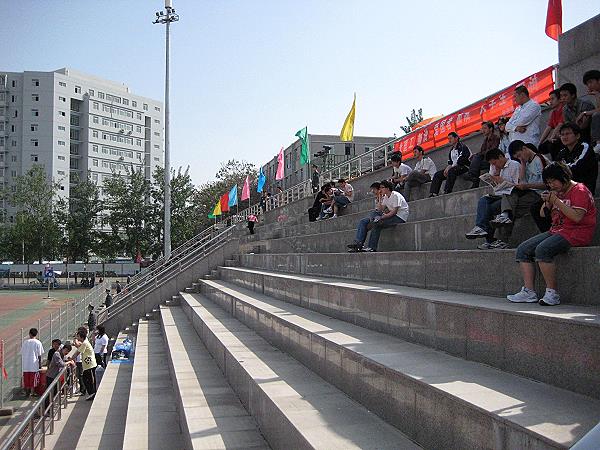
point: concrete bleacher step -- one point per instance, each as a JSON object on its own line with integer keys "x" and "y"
{"x": 295, "y": 409}
{"x": 104, "y": 426}
{"x": 490, "y": 272}
{"x": 438, "y": 400}
{"x": 152, "y": 421}
{"x": 490, "y": 330}
{"x": 211, "y": 415}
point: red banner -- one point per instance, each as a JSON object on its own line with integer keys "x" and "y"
{"x": 468, "y": 120}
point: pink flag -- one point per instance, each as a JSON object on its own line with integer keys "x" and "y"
{"x": 280, "y": 168}
{"x": 246, "y": 189}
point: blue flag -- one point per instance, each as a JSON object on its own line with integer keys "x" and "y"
{"x": 233, "y": 196}
{"x": 262, "y": 179}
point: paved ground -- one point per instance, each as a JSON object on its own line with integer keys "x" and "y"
{"x": 22, "y": 309}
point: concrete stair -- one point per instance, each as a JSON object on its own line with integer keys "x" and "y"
{"x": 537, "y": 343}
{"x": 104, "y": 426}
{"x": 152, "y": 421}
{"x": 438, "y": 400}
{"x": 492, "y": 272}
{"x": 210, "y": 413}
{"x": 295, "y": 409}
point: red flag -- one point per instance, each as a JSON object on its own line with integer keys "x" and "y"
{"x": 4, "y": 373}
{"x": 225, "y": 202}
{"x": 554, "y": 19}
{"x": 246, "y": 189}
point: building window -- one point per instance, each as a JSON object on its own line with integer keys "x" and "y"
{"x": 145, "y": 107}
{"x": 13, "y": 98}
{"x": 156, "y": 108}
{"x": 134, "y": 103}
{"x": 62, "y": 99}
{"x": 78, "y": 89}
{"x": 34, "y": 158}
{"x": 139, "y": 156}
{"x": 34, "y": 127}
{"x": 95, "y": 119}
{"x": 35, "y": 113}
{"x": 94, "y": 134}
{"x": 14, "y": 143}
{"x": 13, "y": 173}
{"x": 95, "y": 177}
{"x": 16, "y": 113}
{"x": 126, "y": 102}
{"x": 156, "y": 158}
{"x": 14, "y": 83}
{"x": 156, "y": 146}
{"x": 61, "y": 158}
{"x": 91, "y": 92}
{"x": 156, "y": 120}
{"x": 35, "y": 97}
{"x": 62, "y": 84}
{"x": 156, "y": 133}
{"x": 101, "y": 95}
{"x": 105, "y": 164}
{"x": 61, "y": 128}
{"x": 60, "y": 172}
{"x": 139, "y": 116}
{"x": 13, "y": 158}
{"x": 34, "y": 143}
{"x": 62, "y": 114}
{"x": 95, "y": 148}
{"x": 96, "y": 106}
{"x": 12, "y": 128}
{"x": 105, "y": 150}
{"x": 95, "y": 163}
{"x": 114, "y": 151}
{"x": 138, "y": 129}
{"x": 61, "y": 143}
{"x": 35, "y": 82}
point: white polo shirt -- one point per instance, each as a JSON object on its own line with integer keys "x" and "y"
{"x": 396, "y": 200}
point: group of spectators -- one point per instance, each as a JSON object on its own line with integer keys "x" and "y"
{"x": 550, "y": 174}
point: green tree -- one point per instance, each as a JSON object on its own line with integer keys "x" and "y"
{"x": 415, "y": 117}
{"x": 81, "y": 233}
{"x": 129, "y": 214}
{"x": 39, "y": 220}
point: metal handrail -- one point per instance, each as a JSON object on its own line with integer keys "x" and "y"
{"x": 156, "y": 278}
{"x": 40, "y": 412}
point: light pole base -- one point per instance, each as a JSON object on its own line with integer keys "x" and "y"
{"x": 7, "y": 411}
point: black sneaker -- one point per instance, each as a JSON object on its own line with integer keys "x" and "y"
{"x": 354, "y": 246}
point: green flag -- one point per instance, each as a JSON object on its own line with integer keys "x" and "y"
{"x": 305, "y": 152}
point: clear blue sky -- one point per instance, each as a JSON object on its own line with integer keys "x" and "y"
{"x": 247, "y": 74}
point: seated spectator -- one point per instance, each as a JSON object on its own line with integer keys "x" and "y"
{"x": 550, "y": 140}
{"x": 491, "y": 140}
{"x": 573, "y": 109}
{"x": 400, "y": 172}
{"x": 592, "y": 80}
{"x": 503, "y": 134}
{"x": 327, "y": 202}
{"x": 344, "y": 198}
{"x": 317, "y": 206}
{"x": 458, "y": 163}
{"x": 571, "y": 207}
{"x": 504, "y": 175}
{"x": 578, "y": 156}
{"x": 524, "y": 124}
{"x": 526, "y": 193}
{"x": 392, "y": 210}
{"x": 422, "y": 172}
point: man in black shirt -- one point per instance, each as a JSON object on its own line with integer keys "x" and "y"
{"x": 579, "y": 156}
{"x": 458, "y": 163}
{"x": 91, "y": 317}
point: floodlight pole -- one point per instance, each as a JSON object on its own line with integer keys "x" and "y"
{"x": 166, "y": 18}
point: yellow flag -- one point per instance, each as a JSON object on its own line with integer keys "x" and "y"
{"x": 347, "y": 133}
{"x": 217, "y": 210}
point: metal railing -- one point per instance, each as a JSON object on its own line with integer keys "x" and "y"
{"x": 167, "y": 270}
{"x": 60, "y": 324}
{"x": 32, "y": 430}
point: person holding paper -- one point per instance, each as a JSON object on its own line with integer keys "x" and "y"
{"x": 503, "y": 176}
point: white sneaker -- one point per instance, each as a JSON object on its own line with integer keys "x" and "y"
{"x": 550, "y": 298}
{"x": 523, "y": 296}
{"x": 334, "y": 216}
{"x": 476, "y": 232}
{"x": 328, "y": 211}
{"x": 597, "y": 148}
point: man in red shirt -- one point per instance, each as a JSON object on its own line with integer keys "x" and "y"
{"x": 571, "y": 207}
{"x": 550, "y": 140}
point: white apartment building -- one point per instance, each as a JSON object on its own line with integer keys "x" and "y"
{"x": 76, "y": 126}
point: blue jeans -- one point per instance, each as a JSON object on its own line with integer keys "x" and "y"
{"x": 376, "y": 227}
{"x": 488, "y": 207}
{"x": 341, "y": 200}
{"x": 542, "y": 248}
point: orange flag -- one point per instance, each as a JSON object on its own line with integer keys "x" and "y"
{"x": 554, "y": 19}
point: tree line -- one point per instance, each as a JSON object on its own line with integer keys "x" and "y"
{"x": 126, "y": 220}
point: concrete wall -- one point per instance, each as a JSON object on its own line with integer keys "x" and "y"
{"x": 578, "y": 52}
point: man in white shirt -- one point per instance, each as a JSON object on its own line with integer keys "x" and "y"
{"x": 524, "y": 124}
{"x": 400, "y": 172}
{"x": 101, "y": 345}
{"x": 421, "y": 174}
{"x": 504, "y": 175}
{"x": 31, "y": 358}
{"x": 394, "y": 210}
